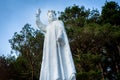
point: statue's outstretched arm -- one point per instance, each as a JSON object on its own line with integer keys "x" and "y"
{"x": 39, "y": 24}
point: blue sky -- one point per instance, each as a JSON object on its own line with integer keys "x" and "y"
{"x": 14, "y": 14}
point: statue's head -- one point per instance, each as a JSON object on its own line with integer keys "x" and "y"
{"x": 51, "y": 15}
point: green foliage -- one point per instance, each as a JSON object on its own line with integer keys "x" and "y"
{"x": 3, "y": 68}
{"x": 28, "y": 43}
{"x": 111, "y": 13}
{"x": 93, "y": 41}
{"x": 19, "y": 69}
{"x": 88, "y": 75}
{"x": 89, "y": 44}
{"x": 89, "y": 61}
{"x": 94, "y": 16}
{"x": 74, "y": 16}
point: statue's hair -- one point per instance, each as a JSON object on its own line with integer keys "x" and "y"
{"x": 51, "y": 11}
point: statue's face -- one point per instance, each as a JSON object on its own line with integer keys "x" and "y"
{"x": 51, "y": 16}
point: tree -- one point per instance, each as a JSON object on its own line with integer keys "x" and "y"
{"x": 74, "y": 16}
{"x": 96, "y": 47}
{"x": 111, "y": 13}
{"x": 28, "y": 43}
{"x": 94, "y": 16}
{"x": 3, "y": 68}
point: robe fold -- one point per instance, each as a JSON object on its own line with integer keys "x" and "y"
{"x": 57, "y": 61}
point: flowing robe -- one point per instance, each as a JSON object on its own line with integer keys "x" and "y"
{"x": 57, "y": 62}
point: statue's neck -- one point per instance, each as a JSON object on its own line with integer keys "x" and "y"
{"x": 50, "y": 21}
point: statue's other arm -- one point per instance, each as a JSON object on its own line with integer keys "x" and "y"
{"x": 60, "y": 36}
{"x": 39, "y": 24}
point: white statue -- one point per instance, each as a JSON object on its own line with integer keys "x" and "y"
{"x": 57, "y": 61}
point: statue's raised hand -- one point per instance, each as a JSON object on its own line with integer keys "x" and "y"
{"x": 38, "y": 13}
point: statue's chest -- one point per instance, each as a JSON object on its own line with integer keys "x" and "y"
{"x": 51, "y": 28}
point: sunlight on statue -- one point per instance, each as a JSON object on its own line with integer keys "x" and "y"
{"x": 57, "y": 61}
